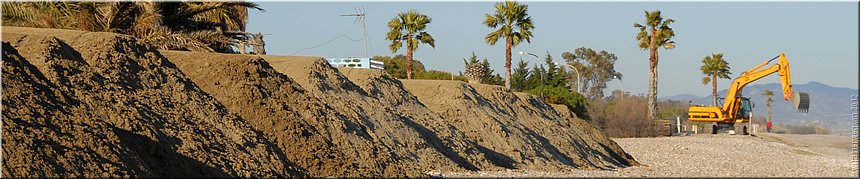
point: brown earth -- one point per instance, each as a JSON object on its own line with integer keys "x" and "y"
{"x": 340, "y": 132}
{"x": 517, "y": 131}
{"x": 100, "y": 104}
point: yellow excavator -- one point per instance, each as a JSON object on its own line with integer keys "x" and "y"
{"x": 737, "y": 109}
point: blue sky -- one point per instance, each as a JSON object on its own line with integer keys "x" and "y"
{"x": 820, "y": 39}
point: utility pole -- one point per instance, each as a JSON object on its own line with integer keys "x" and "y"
{"x": 360, "y": 16}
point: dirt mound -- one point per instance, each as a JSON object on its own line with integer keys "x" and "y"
{"x": 518, "y": 130}
{"x": 437, "y": 130}
{"x": 101, "y": 104}
{"x": 583, "y": 128}
{"x": 395, "y": 125}
{"x": 326, "y": 138}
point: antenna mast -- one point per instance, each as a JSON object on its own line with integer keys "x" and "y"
{"x": 360, "y": 17}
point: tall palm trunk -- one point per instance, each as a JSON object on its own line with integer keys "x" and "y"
{"x": 714, "y": 93}
{"x": 408, "y": 63}
{"x": 508, "y": 63}
{"x": 652, "y": 82}
{"x": 768, "y": 109}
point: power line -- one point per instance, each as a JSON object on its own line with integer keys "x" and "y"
{"x": 329, "y": 41}
{"x": 360, "y": 16}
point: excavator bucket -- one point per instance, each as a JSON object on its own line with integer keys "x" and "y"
{"x": 801, "y": 101}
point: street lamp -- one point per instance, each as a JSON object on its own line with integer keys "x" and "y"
{"x": 541, "y": 76}
{"x": 622, "y": 85}
{"x": 578, "y": 82}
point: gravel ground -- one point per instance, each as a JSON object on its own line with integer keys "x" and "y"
{"x": 763, "y": 155}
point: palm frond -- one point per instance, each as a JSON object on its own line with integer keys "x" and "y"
{"x": 426, "y": 38}
{"x": 490, "y": 21}
{"x": 493, "y": 37}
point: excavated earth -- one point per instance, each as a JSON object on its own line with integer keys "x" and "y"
{"x": 95, "y": 104}
{"x": 100, "y": 104}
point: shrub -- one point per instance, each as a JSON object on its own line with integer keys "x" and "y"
{"x": 560, "y": 95}
{"x": 437, "y": 75}
{"x": 622, "y": 116}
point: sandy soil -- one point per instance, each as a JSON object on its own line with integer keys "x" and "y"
{"x": 764, "y": 155}
{"x": 100, "y": 104}
{"x": 519, "y": 131}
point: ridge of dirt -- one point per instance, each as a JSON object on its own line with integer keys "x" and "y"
{"x": 397, "y": 135}
{"x": 327, "y": 140}
{"x": 519, "y": 131}
{"x": 102, "y": 104}
{"x": 574, "y": 138}
{"x": 608, "y": 146}
{"x": 437, "y": 130}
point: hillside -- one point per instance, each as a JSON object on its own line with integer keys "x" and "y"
{"x": 828, "y": 105}
{"x": 94, "y": 104}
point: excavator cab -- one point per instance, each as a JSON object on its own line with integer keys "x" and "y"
{"x": 744, "y": 109}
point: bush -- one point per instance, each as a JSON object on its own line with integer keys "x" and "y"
{"x": 437, "y": 75}
{"x": 625, "y": 116}
{"x": 396, "y": 67}
{"x": 560, "y": 95}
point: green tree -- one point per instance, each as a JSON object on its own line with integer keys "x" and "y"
{"x": 714, "y": 67}
{"x": 514, "y": 25}
{"x": 491, "y": 77}
{"x": 521, "y": 74}
{"x": 548, "y": 81}
{"x": 595, "y": 68}
{"x": 409, "y": 27}
{"x": 768, "y": 94}
{"x": 654, "y": 34}
{"x": 472, "y": 59}
{"x": 195, "y": 26}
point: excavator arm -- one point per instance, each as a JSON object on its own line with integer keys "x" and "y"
{"x": 800, "y": 99}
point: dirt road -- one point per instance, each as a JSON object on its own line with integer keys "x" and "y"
{"x": 762, "y": 155}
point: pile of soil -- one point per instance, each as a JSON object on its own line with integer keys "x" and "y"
{"x": 519, "y": 131}
{"x": 392, "y": 123}
{"x": 437, "y": 130}
{"x": 101, "y": 104}
{"x": 339, "y": 132}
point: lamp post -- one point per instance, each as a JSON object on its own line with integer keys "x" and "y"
{"x": 541, "y": 76}
{"x": 578, "y": 82}
{"x": 622, "y": 85}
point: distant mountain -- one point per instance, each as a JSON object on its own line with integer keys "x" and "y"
{"x": 828, "y": 105}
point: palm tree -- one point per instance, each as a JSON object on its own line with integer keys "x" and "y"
{"x": 654, "y": 34}
{"x": 409, "y": 27}
{"x": 768, "y": 94}
{"x": 714, "y": 67}
{"x": 196, "y": 26}
{"x": 514, "y": 25}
